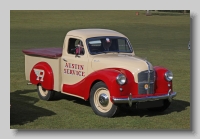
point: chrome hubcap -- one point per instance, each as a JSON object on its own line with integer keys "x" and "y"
{"x": 103, "y": 100}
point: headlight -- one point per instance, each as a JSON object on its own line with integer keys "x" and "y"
{"x": 121, "y": 79}
{"x": 168, "y": 76}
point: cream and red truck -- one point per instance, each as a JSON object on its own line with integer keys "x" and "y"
{"x": 99, "y": 66}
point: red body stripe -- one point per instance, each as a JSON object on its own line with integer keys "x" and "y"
{"x": 108, "y": 76}
{"x": 82, "y": 88}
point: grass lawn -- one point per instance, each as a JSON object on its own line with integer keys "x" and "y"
{"x": 161, "y": 38}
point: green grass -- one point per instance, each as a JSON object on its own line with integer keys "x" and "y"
{"x": 162, "y": 38}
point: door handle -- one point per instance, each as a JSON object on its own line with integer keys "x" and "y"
{"x": 77, "y": 56}
{"x": 64, "y": 59}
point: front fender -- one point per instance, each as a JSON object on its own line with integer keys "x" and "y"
{"x": 161, "y": 84}
{"x": 108, "y": 76}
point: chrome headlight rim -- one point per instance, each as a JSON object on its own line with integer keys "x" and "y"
{"x": 168, "y": 75}
{"x": 121, "y": 79}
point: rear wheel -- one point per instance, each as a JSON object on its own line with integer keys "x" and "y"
{"x": 100, "y": 101}
{"x": 45, "y": 94}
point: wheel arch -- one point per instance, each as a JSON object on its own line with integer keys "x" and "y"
{"x": 92, "y": 84}
{"x": 42, "y": 73}
{"x": 102, "y": 76}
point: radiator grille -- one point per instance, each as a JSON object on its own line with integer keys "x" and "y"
{"x": 143, "y": 80}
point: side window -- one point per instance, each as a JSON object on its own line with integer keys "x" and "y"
{"x": 75, "y": 47}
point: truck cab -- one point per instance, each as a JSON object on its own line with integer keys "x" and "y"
{"x": 100, "y": 66}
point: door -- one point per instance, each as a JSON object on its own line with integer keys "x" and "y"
{"x": 74, "y": 63}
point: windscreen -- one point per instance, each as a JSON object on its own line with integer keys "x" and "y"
{"x": 99, "y": 45}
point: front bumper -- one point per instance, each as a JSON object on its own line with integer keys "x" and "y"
{"x": 131, "y": 100}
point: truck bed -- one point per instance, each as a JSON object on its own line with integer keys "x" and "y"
{"x": 44, "y": 52}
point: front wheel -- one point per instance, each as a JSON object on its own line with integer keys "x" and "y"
{"x": 100, "y": 101}
{"x": 45, "y": 94}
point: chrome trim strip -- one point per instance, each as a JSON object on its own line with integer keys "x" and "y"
{"x": 145, "y": 82}
{"x": 130, "y": 100}
{"x": 148, "y": 80}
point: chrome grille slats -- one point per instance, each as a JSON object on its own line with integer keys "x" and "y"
{"x": 144, "y": 79}
{"x": 143, "y": 91}
{"x": 143, "y": 76}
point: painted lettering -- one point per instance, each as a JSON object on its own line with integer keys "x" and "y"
{"x": 74, "y": 69}
{"x": 83, "y": 73}
{"x": 81, "y": 67}
{"x": 72, "y": 66}
{"x": 67, "y": 65}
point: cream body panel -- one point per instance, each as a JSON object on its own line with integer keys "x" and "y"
{"x": 114, "y": 60}
{"x": 30, "y": 61}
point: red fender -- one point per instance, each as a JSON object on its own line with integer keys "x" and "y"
{"x": 42, "y": 73}
{"x": 83, "y": 87}
{"x": 108, "y": 76}
{"x": 161, "y": 84}
{"x": 130, "y": 86}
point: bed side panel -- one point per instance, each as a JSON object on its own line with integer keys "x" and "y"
{"x": 30, "y": 61}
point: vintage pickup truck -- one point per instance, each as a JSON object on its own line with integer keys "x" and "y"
{"x": 99, "y": 66}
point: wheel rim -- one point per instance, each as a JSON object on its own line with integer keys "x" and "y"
{"x": 43, "y": 91}
{"x": 102, "y": 100}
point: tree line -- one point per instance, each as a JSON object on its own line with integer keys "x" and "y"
{"x": 178, "y": 11}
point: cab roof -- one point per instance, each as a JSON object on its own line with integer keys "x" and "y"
{"x": 88, "y": 33}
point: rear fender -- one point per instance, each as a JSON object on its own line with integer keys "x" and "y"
{"x": 42, "y": 73}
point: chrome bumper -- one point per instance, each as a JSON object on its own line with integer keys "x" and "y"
{"x": 130, "y": 100}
